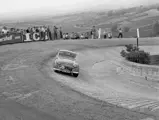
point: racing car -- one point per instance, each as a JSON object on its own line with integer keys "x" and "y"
{"x": 65, "y": 61}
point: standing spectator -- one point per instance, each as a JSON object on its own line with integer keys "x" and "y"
{"x": 99, "y": 33}
{"x": 42, "y": 34}
{"x": 61, "y": 36}
{"x": 33, "y": 29}
{"x": 120, "y": 33}
{"x": 55, "y": 33}
{"x": 105, "y": 34}
{"x": 93, "y": 32}
{"x": 40, "y": 31}
{"x": 27, "y": 35}
{"x": 43, "y": 31}
{"x": 18, "y": 30}
{"x": 64, "y": 36}
{"x": 49, "y": 33}
{"x": 90, "y": 34}
{"x": 27, "y": 31}
{"x": 37, "y": 29}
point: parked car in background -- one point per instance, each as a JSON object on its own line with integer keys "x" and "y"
{"x": 65, "y": 61}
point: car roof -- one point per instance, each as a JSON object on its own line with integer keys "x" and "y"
{"x": 67, "y": 51}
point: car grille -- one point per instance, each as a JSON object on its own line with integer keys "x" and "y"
{"x": 68, "y": 68}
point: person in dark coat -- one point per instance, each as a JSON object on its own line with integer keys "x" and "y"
{"x": 120, "y": 33}
{"x": 27, "y": 31}
{"x": 61, "y": 34}
{"x": 41, "y": 33}
{"x": 49, "y": 33}
{"x": 105, "y": 34}
{"x": 93, "y": 32}
{"x": 55, "y": 33}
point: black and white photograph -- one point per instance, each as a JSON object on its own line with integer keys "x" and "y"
{"x": 79, "y": 59}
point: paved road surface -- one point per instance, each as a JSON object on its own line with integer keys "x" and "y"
{"x": 28, "y": 92}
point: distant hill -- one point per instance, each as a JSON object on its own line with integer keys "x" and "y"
{"x": 136, "y": 17}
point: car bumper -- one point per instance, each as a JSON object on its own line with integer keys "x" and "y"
{"x": 64, "y": 70}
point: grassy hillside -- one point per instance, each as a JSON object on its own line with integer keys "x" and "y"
{"x": 136, "y": 17}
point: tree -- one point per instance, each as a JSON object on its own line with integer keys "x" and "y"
{"x": 126, "y": 29}
{"x": 158, "y": 8}
{"x": 110, "y": 13}
{"x": 156, "y": 28}
{"x": 114, "y": 28}
{"x": 121, "y": 12}
{"x": 101, "y": 13}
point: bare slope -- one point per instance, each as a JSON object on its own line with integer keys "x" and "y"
{"x": 84, "y": 21}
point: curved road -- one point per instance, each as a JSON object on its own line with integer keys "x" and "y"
{"x": 30, "y": 90}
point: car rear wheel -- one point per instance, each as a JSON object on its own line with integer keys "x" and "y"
{"x": 75, "y": 74}
{"x": 57, "y": 71}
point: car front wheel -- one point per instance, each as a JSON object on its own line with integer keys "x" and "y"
{"x": 57, "y": 71}
{"x": 75, "y": 74}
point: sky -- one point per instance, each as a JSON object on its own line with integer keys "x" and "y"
{"x": 21, "y": 8}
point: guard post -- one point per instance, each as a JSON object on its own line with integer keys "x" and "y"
{"x": 138, "y": 35}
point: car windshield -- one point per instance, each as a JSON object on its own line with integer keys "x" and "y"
{"x": 66, "y": 54}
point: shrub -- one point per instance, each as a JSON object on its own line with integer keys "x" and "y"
{"x": 138, "y": 57}
{"x": 133, "y": 54}
{"x": 155, "y": 28}
{"x": 123, "y": 53}
{"x": 130, "y": 48}
{"x": 135, "y": 48}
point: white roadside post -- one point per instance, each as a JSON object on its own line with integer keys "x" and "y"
{"x": 99, "y": 33}
{"x": 138, "y": 35}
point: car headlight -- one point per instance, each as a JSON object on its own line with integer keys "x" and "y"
{"x": 62, "y": 67}
{"x": 57, "y": 63}
{"x": 75, "y": 69}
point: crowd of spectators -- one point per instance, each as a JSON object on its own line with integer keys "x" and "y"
{"x": 56, "y": 33}
{"x": 43, "y": 30}
{"x": 6, "y": 30}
